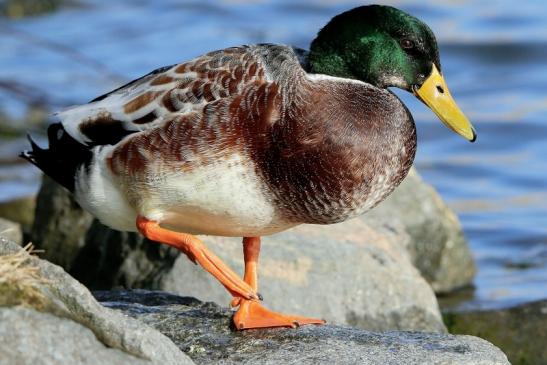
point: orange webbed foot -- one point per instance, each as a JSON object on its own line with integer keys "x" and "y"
{"x": 252, "y": 314}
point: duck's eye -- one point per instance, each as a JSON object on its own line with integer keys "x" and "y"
{"x": 407, "y": 44}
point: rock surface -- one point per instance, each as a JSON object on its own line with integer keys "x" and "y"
{"x": 31, "y": 337}
{"x": 202, "y": 331}
{"x": 112, "y": 259}
{"x": 60, "y": 225}
{"x": 68, "y": 299}
{"x": 520, "y": 331}
{"x": 437, "y": 245}
{"x": 11, "y": 230}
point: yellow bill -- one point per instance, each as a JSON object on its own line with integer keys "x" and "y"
{"x": 434, "y": 93}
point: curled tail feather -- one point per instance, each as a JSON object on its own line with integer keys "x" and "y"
{"x": 62, "y": 159}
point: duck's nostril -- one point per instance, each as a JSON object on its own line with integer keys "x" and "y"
{"x": 440, "y": 89}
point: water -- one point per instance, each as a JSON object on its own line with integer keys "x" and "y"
{"x": 494, "y": 58}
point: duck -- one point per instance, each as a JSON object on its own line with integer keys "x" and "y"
{"x": 253, "y": 140}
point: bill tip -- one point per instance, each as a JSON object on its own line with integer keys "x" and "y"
{"x": 474, "y": 137}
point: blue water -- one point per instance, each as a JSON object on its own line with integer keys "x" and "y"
{"x": 494, "y": 58}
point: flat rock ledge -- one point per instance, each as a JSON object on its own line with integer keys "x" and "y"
{"x": 203, "y": 331}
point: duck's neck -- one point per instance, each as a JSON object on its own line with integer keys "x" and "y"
{"x": 365, "y": 61}
{"x": 328, "y": 63}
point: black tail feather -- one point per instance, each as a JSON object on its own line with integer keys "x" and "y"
{"x": 29, "y": 155}
{"x": 62, "y": 159}
{"x": 33, "y": 144}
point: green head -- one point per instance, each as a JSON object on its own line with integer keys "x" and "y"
{"x": 381, "y": 45}
{"x": 385, "y": 46}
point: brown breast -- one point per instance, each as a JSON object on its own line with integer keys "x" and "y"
{"x": 336, "y": 152}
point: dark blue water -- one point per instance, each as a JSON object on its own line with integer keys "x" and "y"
{"x": 494, "y": 58}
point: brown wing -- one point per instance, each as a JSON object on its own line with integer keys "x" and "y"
{"x": 163, "y": 95}
{"x": 198, "y": 138}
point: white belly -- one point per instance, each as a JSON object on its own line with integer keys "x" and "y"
{"x": 225, "y": 198}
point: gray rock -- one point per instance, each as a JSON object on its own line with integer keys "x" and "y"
{"x": 72, "y": 300}
{"x": 59, "y": 224}
{"x": 31, "y": 337}
{"x": 350, "y": 273}
{"x": 111, "y": 258}
{"x": 11, "y": 231}
{"x": 201, "y": 330}
{"x": 520, "y": 331}
{"x": 437, "y": 246}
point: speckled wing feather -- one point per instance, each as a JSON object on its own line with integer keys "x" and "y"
{"x": 163, "y": 94}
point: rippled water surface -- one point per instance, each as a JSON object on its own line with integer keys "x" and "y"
{"x": 494, "y": 58}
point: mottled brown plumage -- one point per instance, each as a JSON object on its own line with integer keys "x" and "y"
{"x": 325, "y": 149}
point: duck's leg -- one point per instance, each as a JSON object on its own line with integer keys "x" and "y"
{"x": 251, "y": 314}
{"x": 197, "y": 252}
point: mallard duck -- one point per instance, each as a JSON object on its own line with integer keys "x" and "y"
{"x": 253, "y": 140}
